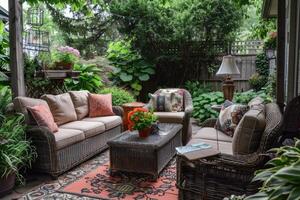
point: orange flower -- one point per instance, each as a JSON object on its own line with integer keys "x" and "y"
{"x": 140, "y": 110}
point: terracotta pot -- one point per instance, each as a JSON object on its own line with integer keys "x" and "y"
{"x": 7, "y": 183}
{"x": 145, "y": 132}
{"x": 64, "y": 65}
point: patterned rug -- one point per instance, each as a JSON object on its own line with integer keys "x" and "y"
{"x": 92, "y": 180}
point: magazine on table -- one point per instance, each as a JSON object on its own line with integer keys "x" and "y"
{"x": 196, "y": 151}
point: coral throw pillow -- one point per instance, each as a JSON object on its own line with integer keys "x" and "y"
{"x": 43, "y": 117}
{"x": 100, "y": 105}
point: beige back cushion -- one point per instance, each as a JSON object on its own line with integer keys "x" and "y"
{"x": 248, "y": 133}
{"x": 81, "y": 104}
{"x": 62, "y": 108}
{"x": 21, "y": 104}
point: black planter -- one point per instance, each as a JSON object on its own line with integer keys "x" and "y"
{"x": 7, "y": 184}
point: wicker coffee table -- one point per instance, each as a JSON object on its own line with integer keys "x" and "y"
{"x": 129, "y": 152}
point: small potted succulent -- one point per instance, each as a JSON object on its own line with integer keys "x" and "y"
{"x": 66, "y": 57}
{"x": 142, "y": 120}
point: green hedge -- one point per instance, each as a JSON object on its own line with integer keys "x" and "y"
{"x": 119, "y": 95}
{"x": 203, "y": 102}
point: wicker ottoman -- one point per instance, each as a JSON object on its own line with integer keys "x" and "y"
{"x": 129, "y": 152}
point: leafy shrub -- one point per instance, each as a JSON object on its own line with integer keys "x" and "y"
{"x": 119, "y": 96}
{"x": 15, "y": 150}
{"x": 131, "y": 68}
{"x": 245, "y": 97}
{"x": 257, "y": 81}
{"x": 89, "y": 78}
{"x": 202, "y": 105}
{"x": 196, "y": 88}
{"x": 280, "y": 178}
{"x": 271, "y": 41}
{"x": 4, "y": 45}
{"x": 5, "y": 99}
{"x": 203, "y": 102}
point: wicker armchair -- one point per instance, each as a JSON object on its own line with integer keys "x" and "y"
{"x": 183, "y": 119}
{"x": 220, "y": 176}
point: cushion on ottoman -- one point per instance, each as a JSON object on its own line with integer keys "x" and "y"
{"x": 62, "y": 108}
{"x": 248, "y": 133}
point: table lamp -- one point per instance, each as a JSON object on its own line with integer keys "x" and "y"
{"x": 228, "y": 68}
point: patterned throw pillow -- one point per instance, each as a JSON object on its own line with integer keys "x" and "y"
{"x": 43, "y": 117}
{"x": 176, "y": 98}
{"x": 161, "y": 102}
{"x": 100, "y": 105}
{"x": 229, "y": 117}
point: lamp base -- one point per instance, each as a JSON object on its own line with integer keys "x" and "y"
{"x": 228, "y": 88}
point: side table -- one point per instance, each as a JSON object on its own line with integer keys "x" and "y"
{"x": 127, "y": 107}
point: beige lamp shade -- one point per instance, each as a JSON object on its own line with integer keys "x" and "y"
{"x": 228, "y": 66}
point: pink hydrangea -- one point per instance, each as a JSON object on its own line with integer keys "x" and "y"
{"x": 70, "y": 50}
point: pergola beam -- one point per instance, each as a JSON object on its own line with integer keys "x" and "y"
{"x": 16, "y": 48}
{"x": 280, "y": 93}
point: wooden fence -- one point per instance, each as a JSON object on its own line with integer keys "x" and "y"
{"x": 245, "y": 53}
{"x": 177, "y": 64}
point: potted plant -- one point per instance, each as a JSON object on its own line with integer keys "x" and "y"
{"x": 142, "y": 120}
{"x": 66, "y": 57}
{"x": 16, "y": 151}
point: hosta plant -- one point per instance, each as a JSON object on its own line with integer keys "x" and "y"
{"x": 202, "y": 105}
{"x": 281, "y": 177}
{"x": 89, "y": 78}
{"x": 130, "y": 68}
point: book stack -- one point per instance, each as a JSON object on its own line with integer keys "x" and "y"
{"x": 197, "y": 151}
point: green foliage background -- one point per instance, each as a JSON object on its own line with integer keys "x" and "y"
{"x": 119, "y": 96}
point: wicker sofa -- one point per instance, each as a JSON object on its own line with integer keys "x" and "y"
{"x": 75, "y": 141}
{"x": 228, "y": 173}
{"x": 179, "y": 117}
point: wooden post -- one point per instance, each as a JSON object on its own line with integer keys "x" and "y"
{"x": 16, "y": 48}
{"x": 280, "y": 93}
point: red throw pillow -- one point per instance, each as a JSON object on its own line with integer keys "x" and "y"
{"x": 100, "y": 105}
{"x": 43, "y": 117}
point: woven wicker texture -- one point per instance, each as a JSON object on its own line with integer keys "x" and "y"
{"x": 217, "y": 177}
{"x": 129, "y": 152}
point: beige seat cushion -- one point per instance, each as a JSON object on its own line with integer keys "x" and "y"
{"x": 67, "y": 137}
{"x": 224, "y": 147}
{"x": 81, "y": 104}
{"x": 212, "y": 134}
{"x": 248, "y": 133}
{"x": 170, "y": 117}
{"x": 109, "y": 121}
{"x": 62, "y": 108}
{"x": 89, "y": 129}
{"x": 21, "y": 104}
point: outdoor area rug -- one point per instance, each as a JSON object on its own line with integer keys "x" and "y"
{"x": 92, "y": 180}
{"x": 127, "y": 186}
